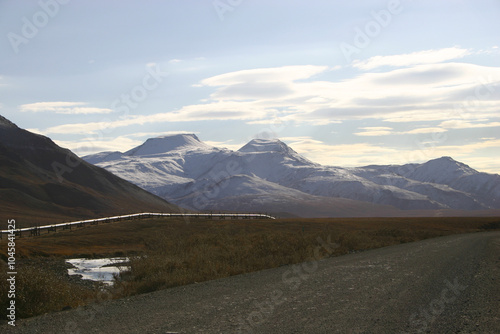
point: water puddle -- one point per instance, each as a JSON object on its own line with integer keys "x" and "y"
{"x": 101, "y": 270}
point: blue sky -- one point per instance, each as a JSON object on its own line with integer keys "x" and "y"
{"x": 343, "y": 83}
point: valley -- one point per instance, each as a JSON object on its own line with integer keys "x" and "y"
{"x": 191, "y": 263}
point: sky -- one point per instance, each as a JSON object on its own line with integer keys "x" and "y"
{"x": 344, "y": 83}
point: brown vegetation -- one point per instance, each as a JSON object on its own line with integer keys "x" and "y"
{"x": 41, "y": 289}
{"x": 171, "y": 252}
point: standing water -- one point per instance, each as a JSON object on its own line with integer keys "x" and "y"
{"x": 101, "y": 270}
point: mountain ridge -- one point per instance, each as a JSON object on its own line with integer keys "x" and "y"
{"x": 203, "y": 177}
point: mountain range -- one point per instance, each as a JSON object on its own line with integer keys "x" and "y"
{"x": 41, "y": 182}
{"x": 269, "y": 176}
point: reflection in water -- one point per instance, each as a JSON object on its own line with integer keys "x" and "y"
{"x": 97, "y": 269}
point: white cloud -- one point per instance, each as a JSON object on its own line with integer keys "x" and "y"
{"x": 489, "y": 143}
{"x": 273, "y": 74}
{"x": 374, "y": 131}
{"x": 459, "y": 151}
{"x": 338, "y": 155}
{"x": 158, "y": 134}
{"x": 361, "y": 154}
{"x": 221, "y": 110}
{"x": 224, "y": 144}
{"x": 300, "y": 139}
{"x": 224, "y": 110}
{"x": 415, "y": 58}
{"x": 37, "y": 131}
{"x": 484, "y": 164}
{"x": 352, "y": 155}
{"x": 91, "y": 127}
{"x": 425, "y": 130}
{"x": 70, "y": 108}
{"x": 461, "y": 124}
{"x": 385, "y": 131}
{"x": 290, "y": 94}
{"x": 90, "y": 146}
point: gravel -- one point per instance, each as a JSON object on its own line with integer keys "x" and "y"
{"x": 443, "y": 285}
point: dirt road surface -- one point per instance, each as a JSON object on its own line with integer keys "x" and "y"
{"x": 443, "y": 285}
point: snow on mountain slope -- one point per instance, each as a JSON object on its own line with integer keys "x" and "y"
{"x": 262, "y": 146}
{"x": 251, "y": 193}
{"x": 164, "y": 144}
{"x": 459, "y": 176}
{"x": 103, "y": 157}
{"x": 235, "y": 185}
{"x": 188, "y": 172}
{"x": 167, "y": 166}
{"x": 274, "y": 161}
{"x": 443, "y": 171}
{"x": 441, "y": 193}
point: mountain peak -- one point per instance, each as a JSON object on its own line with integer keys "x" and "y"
{"x": 445, "y": 159}
{"x": 273, "y": 146}
{"x": 266, "y": 145}
{"x": 448, "y": 164}
{"x": 441, "y": 170}
{"x": 168, "y": 143}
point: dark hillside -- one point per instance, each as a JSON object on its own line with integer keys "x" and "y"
{"x": 41, "y": 182}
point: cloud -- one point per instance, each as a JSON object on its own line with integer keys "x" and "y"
{"x": 37, "y": 131}
{"x": 69, "y": 108}
{"x": 385, "y": 131}
{"x": 224, "y": 110}
{"x": 301, "y": 139}
{"x": 362, "y": 154}
{"x": 459, "y": 151}
{"x": 294, "y": 94}
{"x": 158, "y": 134}
{"x": 252, "y": 90}
{"x": 374, "y": 131}
{"x": 340, "y": 155}
{"x": 484, "y": 164}
{"x": 411, "y": 59}
{"x": 273, "y": 74}
{"x": 90, "y": 128}
{"x": 89, "y": 145}
{"x": 425, "y": 130}
{"x": 224, "y": 144}
{"x": 461, "y": 124}
{"x": 422, "y": 75}
{"x": 220, "y": 110}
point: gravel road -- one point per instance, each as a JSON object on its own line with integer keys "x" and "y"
{"x": 443, "y": 285}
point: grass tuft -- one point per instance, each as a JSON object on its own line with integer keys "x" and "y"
{"x": 39, "y": 290}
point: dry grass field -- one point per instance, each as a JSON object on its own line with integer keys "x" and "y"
{"x": 171, "y": 252}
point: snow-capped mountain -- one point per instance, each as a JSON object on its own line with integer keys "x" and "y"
{"x": 268, "y": 175}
